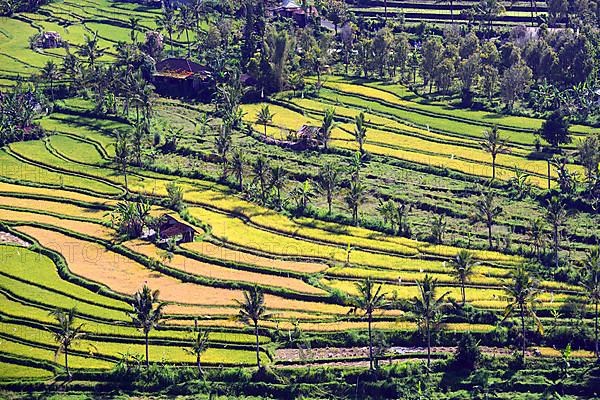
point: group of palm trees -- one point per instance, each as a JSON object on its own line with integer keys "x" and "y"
{"x": 522, "y": 295}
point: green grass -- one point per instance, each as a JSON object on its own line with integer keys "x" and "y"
{"x": 15, "y": 371}
{"x": 12, "y": 168}
{"x": 76, "y": 150}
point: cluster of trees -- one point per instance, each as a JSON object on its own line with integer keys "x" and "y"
{"x": 18, "y": 108}
{"x": 10, "y": 7}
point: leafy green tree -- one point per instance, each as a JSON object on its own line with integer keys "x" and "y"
{"x": 198, "y": 346}
{"x": 360, "y": 131}
{"x": 184, "y": 23}
{"x": 523, "y": 295}
{"x": 591, "y": 283}
{"x": 302, "y": 195}
{"x": 129, "y": 218}
{"x": 555, "y": 130}
{"x": 589, "y": 157}
{"x": 252, "y": 311}
{"x": 264, "y": 117}
{"x": 537, "y": 236}
{"x": 370, "y": 299}
{"x": 487, "y": 210}
{"x": 328, "y": 182}
{"x": 432, "y": 57}
{"x": 463, "y": 268}
{"x": 494, "y": 144}
{"x": 222, "y": 147}
{"x": 515, "y": 82}
{"x": 66, "y": 333}
{"x": 134, "y": 26}
{"x": 147, "y": 313}
{"x": 428, "y": 308}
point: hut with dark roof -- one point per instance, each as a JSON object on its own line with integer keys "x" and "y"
{"x": 173, "y": 228}
{"x": 179, "y": 77}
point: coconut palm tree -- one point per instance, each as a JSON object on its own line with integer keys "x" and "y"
{"x": 463, "y": 269}
{"x": 50, "y": 73}
{"x": 66, "y": 333}
{"x": 278, "y": 179}
{"x": 302, "y": 194}
{"x": 167, "y": 22}
{"x": 122, "y": 155}
{"x": 487, "y": 210}
{"x": 327, "y": 126}
{"x": 355, "y": 196}
{"x": 264, "y": 117}
{"x": 537, "y": 236}
{"x": 493, "y": 144}
{"x": 591, "y": 283}
{"x": 237, "y": 163}
{"x": 523, "y": 295}
{"x": 147, "y": 313}
{"x": 328, "y": 181}
{"x": 261, "y": 171}
{"x": 360, "y": 132}
{"x": 90, "y": 49}
{"x": 252, "y": 311}
{"x": 556, "y": 215}
{"x": 370, "y": 299}
{"x": 185, "y": 22}
{"x": 134, "y": 26}
{"x": 427, "y": 307}
{"x": 198, "y": 345}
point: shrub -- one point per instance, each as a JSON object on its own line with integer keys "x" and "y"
{"x": 468, "y": 354}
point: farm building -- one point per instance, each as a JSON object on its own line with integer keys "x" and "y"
{"x": 179, "y": 77}
{"x": 290, "y": 9}
{"x": 173, "y": 228}
{"x": 49, "y": 40}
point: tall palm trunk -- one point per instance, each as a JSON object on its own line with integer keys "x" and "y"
{"x": 462, "y": 289}
{"x": 171, "y": 42}
{"x": 371, "y": 366}
{"x": 187, "y": 37}
{"x": 428, "y": 329}
{"x": 493, "y": 167}
{"x": 67, "y": 362}
{"x": 596, "y": 331}
{"x": 555, "y": 231}
{"x": 257, "y": 345}
{"x": 198, "y": 365}
{"x": 523, "y": 331}
{"x": 489, "y": 226}
{"x": 147, "y": 351}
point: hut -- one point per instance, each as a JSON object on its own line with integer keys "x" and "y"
{"x": 180, "y": 77}
{"x": 301, "y": 15}
{"x": 173, "y": 228}
{"x": 49, "y": 40}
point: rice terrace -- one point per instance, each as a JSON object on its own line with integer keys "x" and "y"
{"x": 306, "y": 199}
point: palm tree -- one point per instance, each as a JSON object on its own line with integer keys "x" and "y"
{"x": 522, "y": 298}
{"x": 451, "y": 3}
{"x": 90, "y": 49}
{"x": 591, "y": 283}
{"x": 202, "y": 124}
{"x": 185, "y": 22}
{"x": 261, "y": 170}
{"x": 198, "y": 345}
{"x": 264, "y": 117}
{"x": 50, "y": 73}
{"x": 328, "y": 182}
{"x": 252, "y": 311}
{"x": 556, "y": 215}
{"x": 278, "y": 177}
{"x": 167, "y": 22}
{"x": 302, "y": 194}
{"x": 122, "y": 155}
{"x": 222, "y": 146}
{"x": 147, "y": 313}
{"x": 487, "y": 210}
{"x": 134, "y": 25}
{"x": 360, "y": 131}
{"x": 369, "y": 300}
{"x": 536, "y": 235}
{"x": 66, "y": 333}
{"x": 237, "y": 162}
{"x": 494, "y": 144}
{"x": 355, "y": 196}
{"x": 327, "y": 126}
{"x": 427, "y": 307}
{"x": 463, "y": 269}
